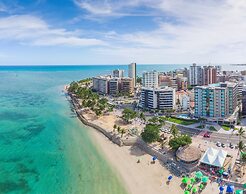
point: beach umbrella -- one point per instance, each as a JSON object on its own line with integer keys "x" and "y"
{"x": 170, "y": 177}
{"x": 244, "y": 185}
{"x": 230, "y": 189}
{"x": 192, "y": 180}
{"x": 225, "y": 173}
{"x": 201, "y": 186}
{"x": 187, "y": 192}
{"x": 198, "y": 174}
{"x": 185, "y": 180}
{"x": 194, "y": 190}
{"x": 221, "y": 188}
{"x": 204, "y": 179}
{"x": 189, "y": 186}
{"x": 239, "y": 192}
{"x": 154, "y": 158}
{"x": 221, "y": 171}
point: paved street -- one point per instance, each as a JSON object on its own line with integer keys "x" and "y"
{"x": 214, "y": 136}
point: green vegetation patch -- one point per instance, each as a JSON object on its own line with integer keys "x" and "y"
{"x": 181, "y": 121}
{"x": 225, "y": 127}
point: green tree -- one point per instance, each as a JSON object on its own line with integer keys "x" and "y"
{"x": 142, "y": 116}
{"x": 122, "y": 131}
{"x": 162, "y": 120}
{"x": 139, "y": 80}
{"x": 128, "y": 115}
{"x": 174, "y": 131}
{"x": 151, "y": 133}
{"x": 240, "y": 133}
{"x": 179, "y": 141}
{"x": 241, "y": 146}
{"x": 153, "y": 120}
{"x": 115, "y": 127}
{"x": 73, "y": 87}
{"x": 118, "y": 129}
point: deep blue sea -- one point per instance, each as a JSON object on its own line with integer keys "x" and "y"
{"x": 43, "y": 146}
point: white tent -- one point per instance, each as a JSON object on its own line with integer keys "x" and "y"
{"x": 214, "y": 157}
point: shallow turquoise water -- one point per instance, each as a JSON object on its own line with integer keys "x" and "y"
{"x": 43, "y": 146}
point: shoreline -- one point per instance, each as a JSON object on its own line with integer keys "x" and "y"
{"x": 123, "y": 158}
{"x": 142, "y": 177}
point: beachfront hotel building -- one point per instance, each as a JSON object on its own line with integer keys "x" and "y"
{"x": 132, "y": 72}
{"x": 118, "y": 73}
{"x": 127, "y": 85}
{"x": 112, "y": 85}
{"x": 150, "y": 79}
{"x": 100, "y": 84}
{"x": 216, "y": 101}
{"x": 195, "y": 75}
{"x": 158, "y": 98}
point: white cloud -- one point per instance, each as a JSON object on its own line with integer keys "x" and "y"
{"x": 202, "y": 31}
{"x": 27, "y": 29}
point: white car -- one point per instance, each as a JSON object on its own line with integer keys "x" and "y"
{"x": 218, "y": 144}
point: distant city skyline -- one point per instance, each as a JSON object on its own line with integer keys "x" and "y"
{"x": 42, "y": 32}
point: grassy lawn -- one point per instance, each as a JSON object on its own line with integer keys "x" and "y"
{"x": 226, "y": 128}
{"x": 201, "y": 127}
{"x": 181, "y": 121}
{"x": 212, "y": 128}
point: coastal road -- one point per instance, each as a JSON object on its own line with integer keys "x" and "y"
{"x": 214, "y": 136}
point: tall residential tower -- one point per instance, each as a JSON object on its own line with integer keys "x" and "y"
{"x": 132, "y": 72}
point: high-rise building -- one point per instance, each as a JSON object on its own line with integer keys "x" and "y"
{"x": 100, "y": 84}
{"x": 158, "y": 98}
{"x": 244, "y": 102}
{"x": 150, "y": 79}
{"x": 216, "y": 100}
{"x": 113, "y": 86}
{"x": 164, "y": 80}
{"x": 195, "y": 75}
{"x": 118, "y": 73}
{"x": 182, "y": 83}
{"x": 126, "y": 85}
{"x": 132, "y": 72}
{"x": 209, "y": 75}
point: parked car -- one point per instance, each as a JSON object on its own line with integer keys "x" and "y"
{"x": 231, "y": 146}
{"x": 207, "y": 135}
{"x": 218, "y": 144}
{"x": 222, "y": 145}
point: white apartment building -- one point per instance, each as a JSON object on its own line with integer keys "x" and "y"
{"x": 195, "y": 75}
{"x": 100, "y": 84}
{"x": 158, "y": 98}
{"x": 118, "y": 73}
{"x": 150, "y": 79}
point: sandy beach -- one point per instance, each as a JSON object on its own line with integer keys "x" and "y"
{"x": 142, "y": 177}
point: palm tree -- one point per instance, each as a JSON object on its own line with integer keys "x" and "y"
{"x": 174, "y": 131}
{"x": 241, "y": 146}
{"x": 142, "y": 116}
{"x": 115, "y": 127}
{"x": 118, "y": 129}
{"x": 240, "y": 133}
{"x": 123, "y": 131}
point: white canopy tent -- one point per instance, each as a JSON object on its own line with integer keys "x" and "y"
{"x": 214, "y": 157}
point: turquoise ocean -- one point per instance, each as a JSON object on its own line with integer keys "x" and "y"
{"x": 44, "y": 148}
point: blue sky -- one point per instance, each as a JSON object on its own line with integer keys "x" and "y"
{"x": 36, "y": 32}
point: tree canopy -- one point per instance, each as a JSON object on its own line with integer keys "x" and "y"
{"x": 128, "y": 114}
{"x": 179, "y": 141}
{"x": 151, "y": 133}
